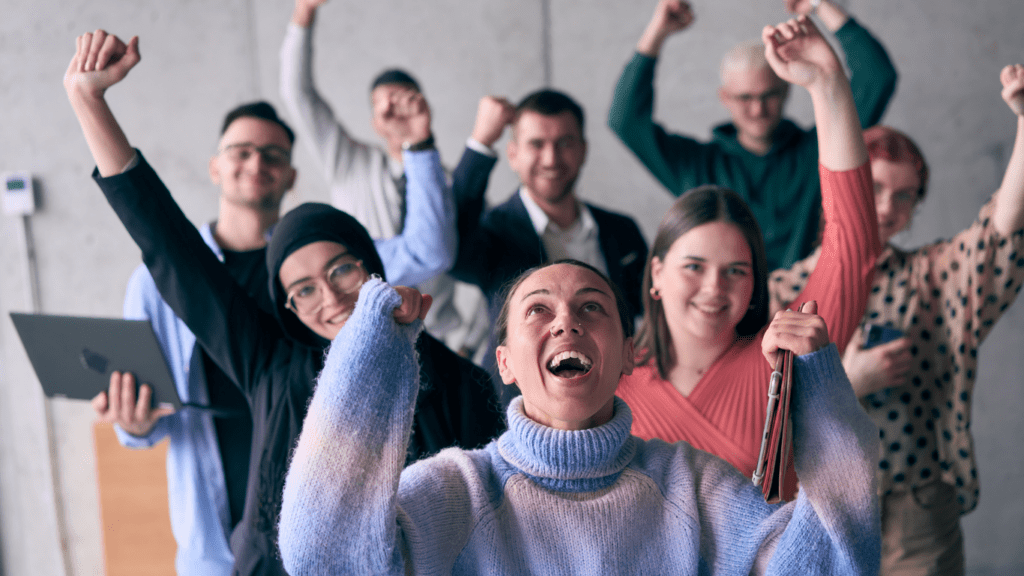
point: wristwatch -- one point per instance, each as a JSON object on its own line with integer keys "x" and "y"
{"x": 426, "y": 144}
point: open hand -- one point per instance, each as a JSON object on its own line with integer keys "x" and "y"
{"x": 800, "y": 332}
{"x": 798, "y": 53}
{"x": 414, "y": 305}
{"x": 1012, "y": 78}
{"x": 878, "y": 367}
{"x": 493, "y": 114}
{"x": 100, "y": 61}
{"x": 119, "y": 405}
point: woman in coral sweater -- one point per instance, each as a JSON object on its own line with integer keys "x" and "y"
{"x": 700, "y": 378}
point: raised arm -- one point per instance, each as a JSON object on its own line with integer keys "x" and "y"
{"x": 850, "y": 245}
{"x": 677, "y": 161}
{"x": 832, "y": 15}
{"x": 469, "y": 187}
{"x": 100, "y": 61}
{"x": 670, "y": 17}
{"x": 873, "y": 75}
{"x": 346, "y": 465}
{"x": 324, "y": 136}
{"x": 493, "y": 115}
{"x": 426, "y": 246}
{"x": 1009, "y": 213}
{"x": 224, "y": 318}
{"x": 798, "y": 54}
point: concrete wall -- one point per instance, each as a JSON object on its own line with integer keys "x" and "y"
{"x": 201, "y": 58}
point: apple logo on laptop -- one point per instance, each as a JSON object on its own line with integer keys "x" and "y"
{"x": 93, "y": 361}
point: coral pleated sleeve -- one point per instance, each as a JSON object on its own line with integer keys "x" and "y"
{"x": 724, "y": 415}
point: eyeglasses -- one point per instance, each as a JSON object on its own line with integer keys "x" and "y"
{"x": 272, "y": 154}
{"x": 344, "y": 276}
{"x": 763, "y": 97}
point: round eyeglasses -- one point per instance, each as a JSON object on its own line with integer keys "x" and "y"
{"x": 344, "y": 276}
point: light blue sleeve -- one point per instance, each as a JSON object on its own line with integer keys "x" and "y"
{"x": 833, "y": 526}
{"x": 836, "y": 513}
{"x": 426, "y": 247}
{"x": 142, "y": 301}
{"x": 339, "y": 509}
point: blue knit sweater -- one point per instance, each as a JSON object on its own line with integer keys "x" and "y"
{"x": 544, "y": 501}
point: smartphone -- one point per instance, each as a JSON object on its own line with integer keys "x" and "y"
{"x": 878, "y": 334}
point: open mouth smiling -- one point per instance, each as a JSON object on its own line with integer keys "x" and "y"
{"x": 570, "y": 364}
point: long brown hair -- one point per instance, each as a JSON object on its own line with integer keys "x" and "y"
{"x": 694, "y": 208}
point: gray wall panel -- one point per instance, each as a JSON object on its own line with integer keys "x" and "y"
{"x": 201, "y": 58}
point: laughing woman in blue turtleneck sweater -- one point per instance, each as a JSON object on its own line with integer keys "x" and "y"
{"x": 567, "y": 490}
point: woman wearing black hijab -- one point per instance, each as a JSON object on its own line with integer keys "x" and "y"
{"x": 317, "y": 258}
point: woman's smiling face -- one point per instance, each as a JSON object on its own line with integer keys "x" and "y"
{"x": 706, "y": 282}
{"x": 565, "y": 347}
{"x": 314, "y": 266}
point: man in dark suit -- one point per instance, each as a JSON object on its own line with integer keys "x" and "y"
{"x": 543, "y": 221}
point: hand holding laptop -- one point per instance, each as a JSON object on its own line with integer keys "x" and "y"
{"x": 119, "y": 405}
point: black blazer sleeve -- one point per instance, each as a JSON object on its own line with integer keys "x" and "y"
{"x": 226, "y": 321}
{"x": 469, "y": 185}
{"x": 625, "y": 253}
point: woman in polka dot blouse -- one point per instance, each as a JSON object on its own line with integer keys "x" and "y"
{"x": 944, "y": 298}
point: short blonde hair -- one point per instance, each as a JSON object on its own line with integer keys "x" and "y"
{"x": 747, "y": 55}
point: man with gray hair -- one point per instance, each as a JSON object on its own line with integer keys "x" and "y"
{"x": 770, "y": 161}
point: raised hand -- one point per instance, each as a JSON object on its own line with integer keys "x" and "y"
{"x": 801, "y": 332}
{"x": 798, "y": 7}
{"x": 414, "y": 305}
{"x": 493, "y": 114}
{"x": 405, "y": 115}
{"x": 305, "y": 11}
{"x": 879, "y": 367}
{"x": 831, "y": 15}
{"x": 670, "y": 17}
{"x": 1012, "y": 78}
{"x": 798, "y": 53}
{"x": 100, "y": 61}
{"x": 119, "y": 405}
{"x": 1009, "y": 214}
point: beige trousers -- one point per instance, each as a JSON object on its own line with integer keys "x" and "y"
{"x": 921, "y": 532}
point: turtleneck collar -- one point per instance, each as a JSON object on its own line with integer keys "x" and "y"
{"x": 569, "y": 460}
